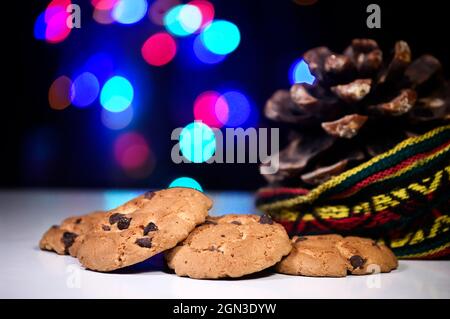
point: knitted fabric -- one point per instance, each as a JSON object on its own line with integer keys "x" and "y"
{"x": 401, "y": 198}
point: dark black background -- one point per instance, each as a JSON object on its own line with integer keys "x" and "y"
{"x": 274, "y": 34}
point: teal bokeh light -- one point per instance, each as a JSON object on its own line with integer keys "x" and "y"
{"x": 117, "y": 94}
{"x": 183, "y": 20}
{"x": 129, "y": 11}
{"x": 186, "y": 182}
{"x": 221, "y": 37}
{"x": 197, "y": 142}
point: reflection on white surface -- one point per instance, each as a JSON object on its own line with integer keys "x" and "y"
{"x": 27, "y": 272}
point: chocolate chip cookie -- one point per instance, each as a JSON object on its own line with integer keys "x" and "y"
{"x": 230, "y": 246}
{"x": 127, "y": 235}
{"x": 336, "y": 256}
{"x": 63, "y": 239}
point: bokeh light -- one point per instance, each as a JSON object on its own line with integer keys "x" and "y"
{"x": 117, "y": 94}
{"x": 129, "y": 11}
{"x": 117, "y": 120}
{"x": 101, "y": 65}
{"x": 159, "y": 49}
{"x": 183, "y": 20}
{"x": 40, "y": 26}
{"x": 206, "y": 9}
{"x": 300, "y": 73}
{"x": 186, "y": 182}
{"x": 85, "y": 88}
{"x": 221, "y": 37}
{"x": 103, "y": 16}
{"x": 239, "y": 109}
{"x": 197, "y": 142}
{"x": 133, "y": 154}
{"x": 204, "y": 55}
{"x": 115, "y": 198}
{"x": 104, "y": 4}
{"x": 54, "y": 27}
{"x": 210, "y": 108}
{"x": 59, "y": 94}
{"x": 159, "y": 8}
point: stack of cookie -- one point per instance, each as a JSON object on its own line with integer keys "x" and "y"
{"x": 176, "y": 221}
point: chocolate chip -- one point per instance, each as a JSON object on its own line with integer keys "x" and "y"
{"x": 55, "y": 226}
{"x": 150, "y": 227}
{"x": 149, "y": 195}
{"x": 236, "y": 222}
{"x": 68, "y": 239}
{"x": 114, "y": 218}
{"x": 212, "y": 248}
{"x": 357, "y": 261}
{"x": 209, "y": 222}
{"x": 78, "y": 221}
{"x": 299, "y": 239}
{"x": 265, "y": 219}
{"x": 144, "y": 242}
{"x": 106, "y": 228}
{"x": 123, "y": 223}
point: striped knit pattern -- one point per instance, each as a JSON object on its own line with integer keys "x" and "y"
{"x": 401, "y": 197}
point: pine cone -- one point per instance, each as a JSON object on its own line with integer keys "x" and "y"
{"x": 357, "y": 108}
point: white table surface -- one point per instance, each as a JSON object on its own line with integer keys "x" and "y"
{"x": 27, "y": 272}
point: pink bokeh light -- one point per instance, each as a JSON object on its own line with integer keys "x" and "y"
{"x": 211, "y": 108}
{"x": 159, "y": 49}
{"x": 131, "y": 151}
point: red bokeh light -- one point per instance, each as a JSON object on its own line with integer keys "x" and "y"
{"x": 131, "y": 151}
{"x": 159, "y": 49}
{"x": 211, "y": 109}
{"x": 104, "y": 4}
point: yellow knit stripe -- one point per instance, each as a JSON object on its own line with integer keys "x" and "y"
{"x": 416, "y": 164}
{"x": 315, "y": 193}
{"x": 427, "y": 253}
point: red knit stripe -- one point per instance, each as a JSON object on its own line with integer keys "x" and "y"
{"x": 373, "y": 178}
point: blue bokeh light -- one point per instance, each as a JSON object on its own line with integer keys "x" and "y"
{"x": 221, "y": 37}
{"x": 84, "y": 89}
{"x": 117, "y": 94}
{"x": 197, "y": 142}
{"x": 129, "y": 11}
{"x": 117, "y": 120}
{"x": 204, "y": 55}
{"x": 300, "y": 73}
{"x": 101, "y": 65}
{"x": 239, "y": 108}
{"x": 40, "y": 27}
{"x": 183, "y": 20}
{"x": 186, "y": 182}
